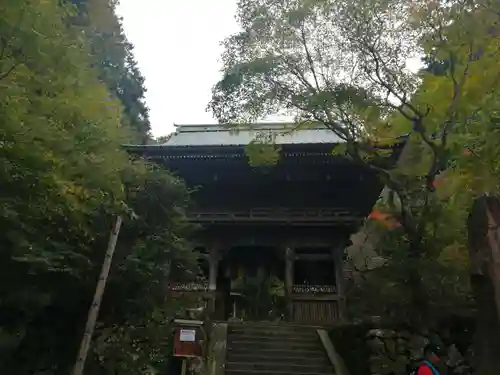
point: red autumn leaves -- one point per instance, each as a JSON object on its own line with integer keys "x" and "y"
{"x": 384, "y": 218}
{"x": 391, "y": 222}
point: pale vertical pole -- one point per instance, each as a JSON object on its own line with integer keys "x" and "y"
{"x": 338, "y": 264}
{"x": 289, "y": 263}
{"x": 213, "y": 271}
{"x": 96, "y": 302}
{"x": 213, "y": 263}
{"x": 184, "y": 366}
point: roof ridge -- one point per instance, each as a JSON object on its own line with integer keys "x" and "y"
{"x": 254, "y": 123}
{"x": 274, "y": 126}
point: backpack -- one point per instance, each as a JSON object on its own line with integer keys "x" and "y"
{"x": 424, "y": 363}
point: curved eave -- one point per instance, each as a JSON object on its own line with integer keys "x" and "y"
{"x": 210, "y": 152}
{"x": 204, "y": 152}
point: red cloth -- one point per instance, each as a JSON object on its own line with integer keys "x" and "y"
{"x": 424, "y": 370}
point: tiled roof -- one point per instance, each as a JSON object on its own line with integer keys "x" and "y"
{"x": 219, "y": 135}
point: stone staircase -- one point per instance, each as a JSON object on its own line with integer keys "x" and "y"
{"x": 275, "y": 349}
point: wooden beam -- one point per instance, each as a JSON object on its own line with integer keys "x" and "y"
{"x": 314, "y": 257}
{"x": 315, "y": 297}
{"x": 289, "y": 263}
{"x": 213, "y": 264}
{"x": 303, "y": 220}
{"x": 338, "y": 264}
{"x": 238, "y": 236}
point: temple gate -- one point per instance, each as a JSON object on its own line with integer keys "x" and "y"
{"x": 290, "y": 222}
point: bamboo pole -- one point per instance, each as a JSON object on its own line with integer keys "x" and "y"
{"x": 184, "y": 366}
{"x": 96, "y": 302}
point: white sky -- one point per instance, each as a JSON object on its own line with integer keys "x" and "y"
{"x": 177, "y": 49}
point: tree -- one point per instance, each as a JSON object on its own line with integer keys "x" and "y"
{"x": 64, "y": 177}
{"x": 115, "y": 62}
{"x": 135, "y": 329}
{"x": 344, "y": 64}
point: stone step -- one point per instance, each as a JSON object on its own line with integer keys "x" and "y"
{"x": 275, "y": 327}
{"x": 277, "y": 352}
{"x": 275, "y": 349}
{"x": 262, "y": 337}
{"x": 255, "y": 346}
{"x": 270, "y": 331}
{"x": 278, "y": 367}
{"x": 247, "y": 372}
{"x": 281, "y": 323}
{"x": 314, "y": 358}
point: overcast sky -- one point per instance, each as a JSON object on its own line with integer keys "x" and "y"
{"x": 177, "y": 48}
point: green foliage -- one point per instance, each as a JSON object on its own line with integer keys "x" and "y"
{"x": 444, "y": 280}
{"x": 136, "y": 345}
{"x": 350, "y": 342}
{"x": 263, "y": 150}
{"x": 295, "y": 58}
{"x": 115, "y": 63}
{"x": 344, "y": 64}
{"x": 64, "y": 178}
{"x": 263, "y": 297}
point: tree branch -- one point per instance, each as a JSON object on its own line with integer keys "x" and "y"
{"x": 313, "y": 71}
{"x": 416, "y": 118}
{"x": 457, "y": 93}
{"x": 329, "y": 123}
{"x": 5, "y": 42}
{"x": 309, "y": 57}
{"x": 298, "y": 74}
{"x": 401, "y": 98}
{"x": 450, "y": 119}
{"x": 9, "y": 71}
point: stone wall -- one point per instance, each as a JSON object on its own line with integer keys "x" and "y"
{"x": 397, "y": 352}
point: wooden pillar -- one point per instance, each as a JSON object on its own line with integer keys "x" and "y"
{"x": 289, "y": 262}
{"x": 338, "y": 264}
{"x": 213, "y": 264}
{"x": 213, "y": 270}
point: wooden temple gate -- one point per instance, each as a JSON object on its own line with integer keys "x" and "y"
{"x": 295, "y": 217}
{"x": 308, "y": 302}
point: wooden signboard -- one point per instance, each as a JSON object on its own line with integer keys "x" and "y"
{"x": 187, "y": 342}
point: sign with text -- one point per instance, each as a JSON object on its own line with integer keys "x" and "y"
{"x": 186, "y": 342}
{"x": 188, "y": 335}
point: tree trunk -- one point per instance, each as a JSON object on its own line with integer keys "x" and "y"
{"x": 419, "y": 299}
{"x": 484, "y": 253}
